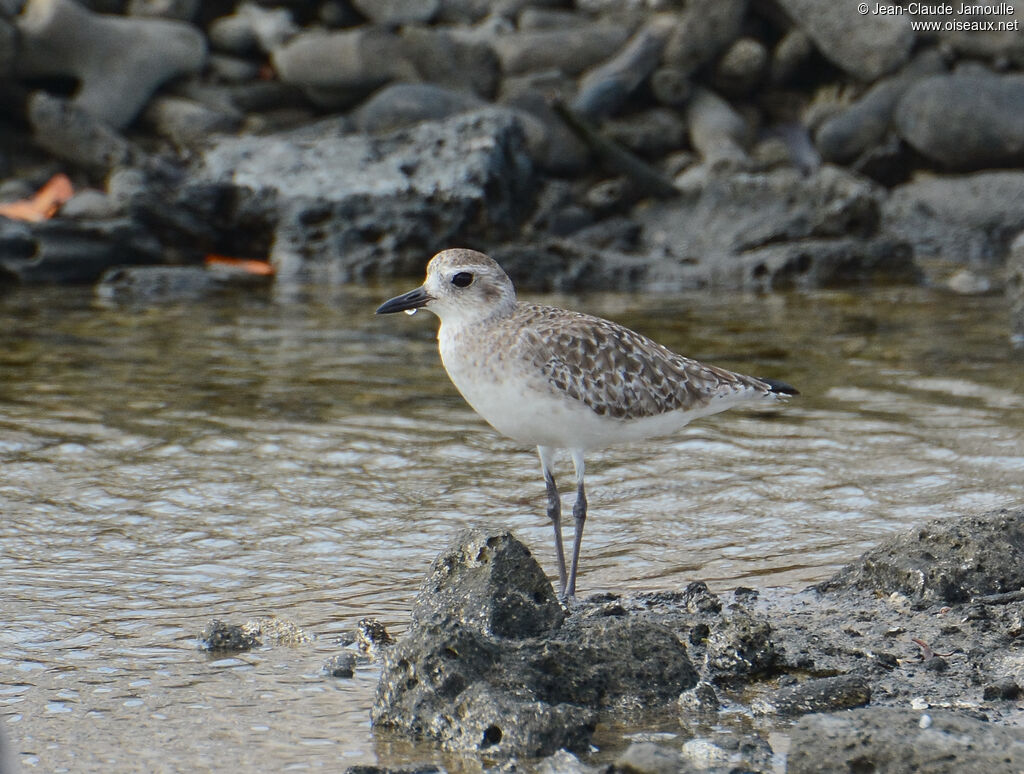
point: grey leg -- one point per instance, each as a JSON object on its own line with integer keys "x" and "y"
{"x": 555, "y": 514}
{"x": 579, "y": 513}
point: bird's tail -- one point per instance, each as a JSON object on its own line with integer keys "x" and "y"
{"x": 780, "y": 388}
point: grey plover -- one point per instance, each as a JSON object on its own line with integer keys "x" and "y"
{"x": 556, "y": 379}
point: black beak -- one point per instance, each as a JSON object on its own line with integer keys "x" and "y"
{"x": 414, "y": 299}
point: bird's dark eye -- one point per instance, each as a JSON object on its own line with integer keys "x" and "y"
{"x": 462, "y": 279}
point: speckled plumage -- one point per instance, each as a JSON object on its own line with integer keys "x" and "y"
{"x": 561, "y": 379}
{"x": 615, "y": 371}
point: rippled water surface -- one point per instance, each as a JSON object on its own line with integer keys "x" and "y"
{"x": 296, "y": 456}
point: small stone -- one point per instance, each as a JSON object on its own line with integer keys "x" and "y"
{"x": 701, "y": 700}
{"x": 231, "y": 638}
{"x": 342, "y": 665}
{"x": 397, "y": 12}
{"x": 372, "y": 636}
{"x": 705, "y": 754}
{"x": 1005, "y": 689}
{"x": 969, "y": 283}
{"x": 742, "y": 66}
{"x": 648, "y": 758}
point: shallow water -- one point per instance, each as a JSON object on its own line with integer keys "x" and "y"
{"x": 294, "y": 455}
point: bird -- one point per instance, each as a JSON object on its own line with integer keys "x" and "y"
{"x": 559, "y": 379}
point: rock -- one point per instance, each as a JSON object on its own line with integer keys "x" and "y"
{"x": 649, "y": 758}
{"x": 8, "y": 49}
{"x": 491, "y": 582}
{"x": 225, "y": 68}
{"x": 352, "y": 206}
{"x": 740, "y": 648}
{"x": 252, "y": 29}
{"x": 348, "y": 64}
{"x": 277, "y": 631}
{"x": 858, "y": 128}
{"x": 1015, "y": 288}
{"x": 562, "y": 762}
{"x": 866, "y": 46}
{"x": 372, "y": 637}
{"x": 183, "y": 10}
{"x": 232, "y": 638}
{"x": 339, "y": 68}
{"x": 571, "y": 50}
{"x": 397, "y": 12}
{"x": 552, "y": 145}
{"x": 1005, "y": 689}
{"x": 747, "y": 229}
{"x": 728, "y": 751}
{"x": 957, "y": 218}
{"x": 188, "y": 123}
{"x": 742, "y": 67}
{"x": 489, "y": 664}
{"x": 945, "y": 561}
{"x": 671, "y": 86}
{"x": 604, "y": 89}
{"x": 69, "y": 251}
{"x": 898, "y": 741}
{"x": 968, "y": 283}
{"x": 342, "y": 665}
{"x": 649, "y": 133}
{"x": 60, "y": 37}
{"x": 404, "y": 104}
{"x": 146, "y": 285}
{"x": 700, "y": 701}
{"x": 823, "y": 694}
{"x": 699, "y": 599}
{"x": 816, "y": 263}
{"x": 426, "y": 768}
{"x": 702, "y": 30}
{"x": 90, "y": 203}
{"x": 717, "y": 132}
{"x": 443, "y": 58}
{"x": 74, "y": 134}
{"x": 789, "y": 55}
{"x": 965, "y": 121}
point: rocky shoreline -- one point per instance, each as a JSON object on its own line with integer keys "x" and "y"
{"x": 648, "y": 144}
{"x": 909, "y": 659}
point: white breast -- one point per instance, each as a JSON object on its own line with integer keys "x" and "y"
{"x": 521, "y": 404}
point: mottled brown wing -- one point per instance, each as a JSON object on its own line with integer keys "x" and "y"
{"x": 618, "y": 372}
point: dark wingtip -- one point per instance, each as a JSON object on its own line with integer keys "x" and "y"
{"x": 781, "y": 388}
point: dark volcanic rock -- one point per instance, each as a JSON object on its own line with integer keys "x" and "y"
{"x": 69, "y": 251}
{"x": 946, "y": 560}
{"x": 779, "y": 228}
{"x": 822, "y": 694}
{"x": 1015, "y": 288}
{"x": 490, "y": 665}
{"x": 156, "y": 284}
{"x": 490, "y": 582}
{"x": 347, "y": 206}
{"x": 863, "y": 125}
{"x": 900, "y": 740}
{"x": 960, "y": 218}
{"x": 968, "y": 120}
{"x": 864, "y": 45}
{"x": 741, "y": 647}
{"x": 233, "y": 638}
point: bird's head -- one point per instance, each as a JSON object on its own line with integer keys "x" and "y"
{"x": 462, "y": 286}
